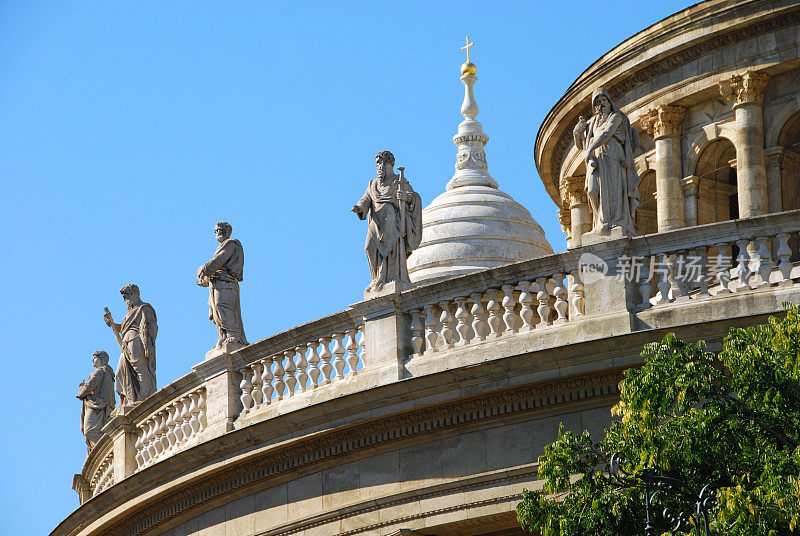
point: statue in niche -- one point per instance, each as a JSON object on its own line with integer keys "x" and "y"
{"x": 612, "y": 183}
{"x": 136, "y": 336}
{"x": 222, "y": 275}
{"x": 97, "y": 395}
{"x": 395, "y": 225}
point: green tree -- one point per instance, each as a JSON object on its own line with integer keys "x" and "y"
{"x": 731, "y": 420}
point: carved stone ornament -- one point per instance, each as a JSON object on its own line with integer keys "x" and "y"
{"x": 394, "y": 210}
{"x": 664, "y": 120}
{"x": 222, "y": 275}
{"x": 565, "y": 219}
{"x": 576, "y": 191}
{"x": 747, "y": 88}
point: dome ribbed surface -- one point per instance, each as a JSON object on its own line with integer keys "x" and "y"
{"x": 471, "y": 228}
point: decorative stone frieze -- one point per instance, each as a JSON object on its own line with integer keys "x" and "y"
{"x": 664, "y": 120}
{"x": 747, "y": 88}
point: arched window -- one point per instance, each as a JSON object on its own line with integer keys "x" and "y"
{"x": 789, "y": 139}
{"x": 646, "y": 217}
{"x": 717, "y": 198}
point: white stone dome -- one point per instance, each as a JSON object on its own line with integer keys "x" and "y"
{"x": 473, "y": 225}
{"x": 471, "y": 228}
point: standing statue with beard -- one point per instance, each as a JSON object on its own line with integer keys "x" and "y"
{"x": 395, "y": 225}
{"x": 136, "y": 335}
{"x": 222, "y": 275}
{"x": 612, "y": 184}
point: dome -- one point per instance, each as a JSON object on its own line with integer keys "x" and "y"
{"x": 473, "y": 225}
{"x": 471, "y": 228}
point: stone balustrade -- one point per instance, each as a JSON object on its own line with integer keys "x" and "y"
{"x": 537, "y": 304}
{"x": 301, "y": 367}
{"x": 171, "y": 428}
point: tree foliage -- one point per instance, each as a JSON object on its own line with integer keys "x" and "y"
{"x": 730, "y": 420}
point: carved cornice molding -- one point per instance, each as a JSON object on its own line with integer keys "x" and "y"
{"x": 747, "y": 88}
{"x": 668, "y": 63}
{"x": 286, "y": 460}
{"x": 664, "y": 120}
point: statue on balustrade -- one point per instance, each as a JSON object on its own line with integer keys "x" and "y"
{"x": 395, "y": 225}
{"x": 612, "y": 183}
{"x": 222, "y": 275}
{"x": 136, "y": 336}
{"x": 97, "y": 394}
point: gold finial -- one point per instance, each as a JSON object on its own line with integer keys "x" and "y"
{"x": 469, "y": 67}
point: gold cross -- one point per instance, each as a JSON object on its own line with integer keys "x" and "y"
{"x": 467, "y": 48}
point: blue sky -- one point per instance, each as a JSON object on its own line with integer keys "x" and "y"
{"x": 130, "y": 128}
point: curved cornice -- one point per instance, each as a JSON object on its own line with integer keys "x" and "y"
{"x": 664, "y": 47}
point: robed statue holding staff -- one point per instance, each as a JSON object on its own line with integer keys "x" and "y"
{"x": 394, "y": 210}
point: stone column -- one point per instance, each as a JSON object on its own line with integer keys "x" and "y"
{"x": 746, "y": 91}
{"x": 579, "y": 211}
{"x": 774, "y": 166}
{"x": 664, "y": 123}
{"x": 689, "y": 185}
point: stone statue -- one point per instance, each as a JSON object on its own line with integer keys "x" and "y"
{"x": 612, "y": 184}
{"x": 222, "y": 275}
{"x": 395, "y": 225}
{"x": 97, "y": 394}
{"x": 136, "y": 335}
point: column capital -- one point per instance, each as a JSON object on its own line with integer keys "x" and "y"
{"x": 774, "y": 156}
{"x": 747, "y": 88}
{"x": 689, "y": 184}
{"x": 565, "y": 219}
{"x": 575, "y": 191}
{"x": 664, "y": 120}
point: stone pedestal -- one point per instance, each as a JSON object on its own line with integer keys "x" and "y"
{"x": 392, "y": 287}
{"x": 664, "y": 123}
{"x": 386, "y": 335}
{"x": 588, "y": 239}
{"x": 222, "y": 394}
{"x": 746, "y": 91}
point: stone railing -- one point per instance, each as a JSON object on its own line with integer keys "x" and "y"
{"x": 170, "y": 429}
{"x": 308, "y": 362}
{"x": 528, "y": 306}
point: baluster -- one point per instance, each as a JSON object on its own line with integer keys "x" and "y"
{"x": 171, "y": 438}
{"x": 578, "y": 300}
{"x": 664, "y": 284}
{"x": 179, "y": 435}
{"x": 416, "y": 332}
{"x": 302, "y": 365}
{"x": 352, "y": 350}
{"x": 313, "y": 363}
{"x": 561, "y": 305}
{"x": 201, "y": 407}
{"x": 462, "y": 317}
{"x": 147, "y": 441}
{"x": 702, "y": 275}
{"x": 765, "y": 264}
{"x": 508, "y": 303}
{"x": 446, "y": 320}
{"x": 682, "y": 275}
{"x": 266, "y": 379}
{"x": 325, "y": 355}
{"x": 194, "y": 412}
{"x": 186, "y": 428}
{"x": 784, "y": 253}
{"x": 723, "y": 275}
{"x": 543, "y": 309}
{"x": 338, "y": 351}
{"x": 743, "y": 269}
{"x": 280, "y": 385}
{"x": 290, "y": 379}
{"x": 247, "y": 389}
{"x": 478, "y": 321}
{"x": 257, "y": 393}
{"x": 362, "y": 342}
{"x": 152, "y": 424}
{"x": 495, "y": 321}
{"x": 138, "y": 447}
{"x": 525, "y": 300}
{"x": 159, "y": 435}
{"x": 430, "y": 329}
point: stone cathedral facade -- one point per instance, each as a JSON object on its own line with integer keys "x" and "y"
{"x": 423, "y": 411}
